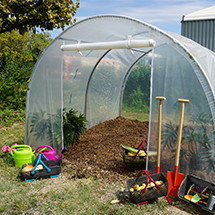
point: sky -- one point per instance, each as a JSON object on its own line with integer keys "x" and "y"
{"x": 164, "y": 14}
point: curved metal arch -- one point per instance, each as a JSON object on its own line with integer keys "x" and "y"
{"x": 88, "y": 82}
{"x": 126, "y": 77}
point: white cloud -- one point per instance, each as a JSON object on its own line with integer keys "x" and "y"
{"x": 166, "y": 14}
{"x": 163, "y": 13}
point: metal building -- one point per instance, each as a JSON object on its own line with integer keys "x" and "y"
{"x": 200, "y": 27}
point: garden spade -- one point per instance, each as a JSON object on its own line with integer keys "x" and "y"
{"x": 175, "y": 178}
{"x": 159, "y": 132}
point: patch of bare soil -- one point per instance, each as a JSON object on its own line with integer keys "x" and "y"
{"x": 98, "y": 152}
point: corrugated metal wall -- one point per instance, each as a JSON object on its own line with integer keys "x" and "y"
{"x": 201, "y": 31}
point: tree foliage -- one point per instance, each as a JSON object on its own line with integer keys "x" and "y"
{"x": 24, "y": 48}
{"x": 25, "y": 15}
{"x": 18, "y": 53}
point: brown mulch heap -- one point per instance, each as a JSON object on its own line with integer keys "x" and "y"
{"x": 99, "y": 154}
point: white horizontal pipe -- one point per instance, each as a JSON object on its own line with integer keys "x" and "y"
{"x": 123, "y": 44}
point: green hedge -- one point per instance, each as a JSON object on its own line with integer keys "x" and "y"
{"x": 18, "y": 54}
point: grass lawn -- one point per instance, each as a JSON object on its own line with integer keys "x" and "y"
{"x": 137, "y": 116}
{"x": 63, "y": 195}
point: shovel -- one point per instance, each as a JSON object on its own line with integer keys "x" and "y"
{"x": 159, "y": 132}
{"x": 176, "y": 178}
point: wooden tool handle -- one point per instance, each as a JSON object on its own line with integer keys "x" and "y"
{"x": 160, "y": 98}
{"x": 184, "y": 100}
{"x": 159, "y": 131}
{"x": 180, "y": 130}
{"x": 203, "y": 195}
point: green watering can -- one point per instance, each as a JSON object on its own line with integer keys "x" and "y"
{"x": 22, "y": 154}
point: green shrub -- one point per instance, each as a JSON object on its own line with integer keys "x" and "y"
{"x": 18, "y": 54}
{"x": 9, "y": 116}
{"x": 74, "y": 125}
{"x": 14, "y": 78}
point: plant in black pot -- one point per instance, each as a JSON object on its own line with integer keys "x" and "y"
{"x": 74, "y": 125}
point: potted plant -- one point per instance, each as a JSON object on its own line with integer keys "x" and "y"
{"x": 74, "y": 125}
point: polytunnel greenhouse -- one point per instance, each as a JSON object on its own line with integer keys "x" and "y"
{"x": 87, "y": 66}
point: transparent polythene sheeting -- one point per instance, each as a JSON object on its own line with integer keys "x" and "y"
{"x": 105, "y": 87}
{"x": 105, "y": 29}
{"x": 174, "y": 78}
{"x": 76, "y": 73}
{"x": 43, "y": 115}
{"x": 204, "y": 56}
{"x": 205, "y": 60}
{"x": 92, "y": 83}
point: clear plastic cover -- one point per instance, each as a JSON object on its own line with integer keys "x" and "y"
{"x": 93, "y": 83}
{"x": 174, "y": 78}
